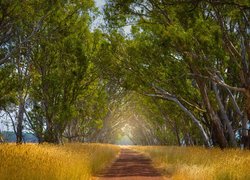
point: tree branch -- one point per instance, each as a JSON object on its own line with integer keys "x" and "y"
{"x": 36, "y": 29}
{"x": 220, "y": 82}
{"x": 167, "y": 96}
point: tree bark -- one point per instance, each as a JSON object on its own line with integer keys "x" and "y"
{"x": 245, "y": 130}
{"x": 51, "y": 135}
{"x": 19, "y": 130}
{"x": 165, "y": 95}
{"x": 176, "y": 131}
{"x": 248, "y": 102}
{"x": 225, "y": 117}
{"x": 222, "y": 141}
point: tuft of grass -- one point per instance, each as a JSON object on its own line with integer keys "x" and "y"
{"x": 55, "y": 162}
{"x": 199, "y": 163}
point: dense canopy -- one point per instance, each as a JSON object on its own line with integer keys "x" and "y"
{"x": 169, "y": 72}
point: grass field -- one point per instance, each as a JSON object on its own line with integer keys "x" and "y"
{"x": 82, "y": 161}
{"x": 40, "y": 162}
{"x": 200, "y": 163}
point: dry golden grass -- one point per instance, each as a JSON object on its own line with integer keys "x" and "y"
{"x": 45, "y": 162}
{"x": 200, "y": 163}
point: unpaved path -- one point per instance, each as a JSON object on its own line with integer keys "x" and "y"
{"x": 131, "y": 165}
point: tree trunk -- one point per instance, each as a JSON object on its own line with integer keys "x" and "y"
{"x": 245, "y": 131}
{"x": 165, "y": 95}
{"x": 50, "y": 134}
{"x": 225, "y": 117}
{"x": 219, "y": 133}
{"x": 51, "y": 137}
{"x": 19, "y": 130}
{"x": 197, "y": 123}
{"x": 247, "y": 93}
{"x": 176, "y": 131}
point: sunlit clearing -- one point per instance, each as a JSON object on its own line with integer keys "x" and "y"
{"x": 125, "y": 139}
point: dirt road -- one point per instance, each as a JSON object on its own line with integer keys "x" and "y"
{"x": 131, "y": 165}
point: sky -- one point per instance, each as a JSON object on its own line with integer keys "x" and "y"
{"x": 100, "y": 3}
{"x": 98, "y": 21}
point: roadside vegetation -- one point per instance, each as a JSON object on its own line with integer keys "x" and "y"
{"x": 199, "y": 163}
{"x": 70, "y": 161}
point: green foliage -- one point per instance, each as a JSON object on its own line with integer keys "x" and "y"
{"x": 7, "y": 87}
{"x": 72, "y": 78}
